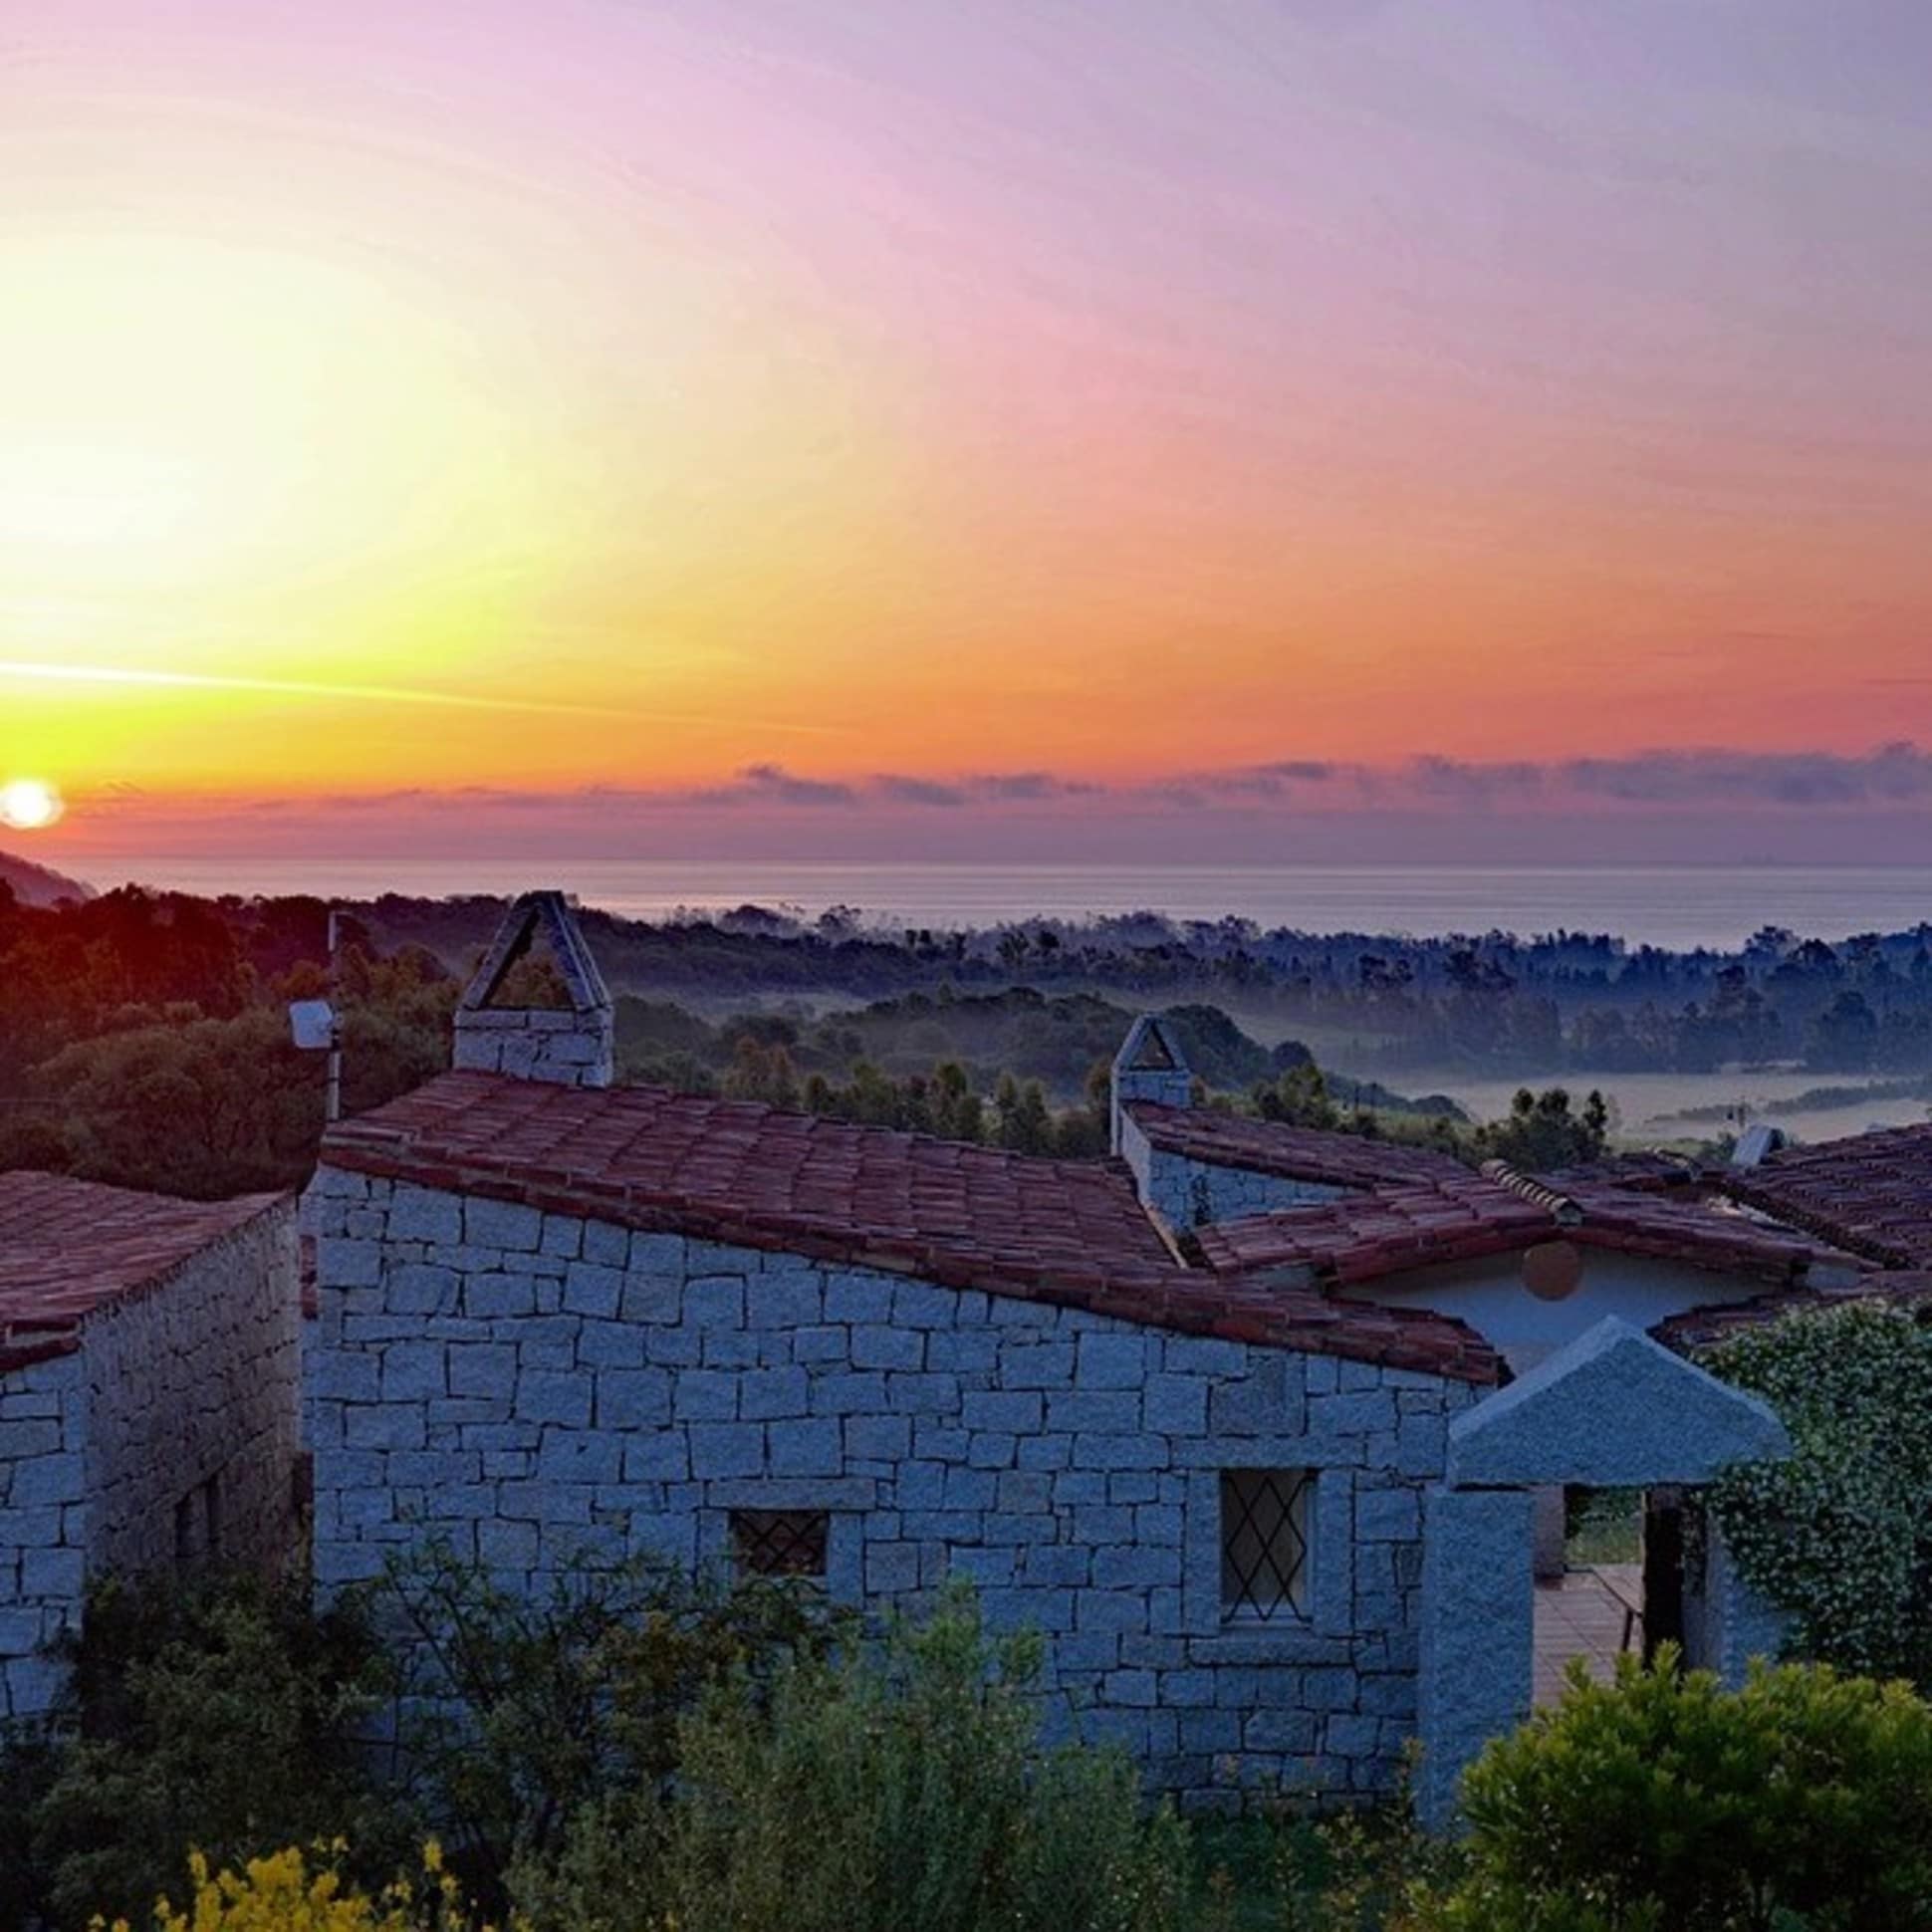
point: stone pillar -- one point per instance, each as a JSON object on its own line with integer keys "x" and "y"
{"x": 1477, "y": 1633}
{"x": 1552, "y": 1531}
{"x": 1726, "y": 1622}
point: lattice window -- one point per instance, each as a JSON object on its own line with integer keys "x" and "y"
{"x": 1264, "y": 1542}
{"x": 780, "y": 1542}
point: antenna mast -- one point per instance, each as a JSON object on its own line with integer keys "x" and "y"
{"x": 333, "y": 1103}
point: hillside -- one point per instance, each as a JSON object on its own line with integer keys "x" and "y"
{"x": 35, "y": 884}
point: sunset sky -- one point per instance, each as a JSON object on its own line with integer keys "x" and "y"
{"x": 1270, "y": 429}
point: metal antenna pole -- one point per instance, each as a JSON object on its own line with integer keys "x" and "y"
{"x": 333, "y": 1105}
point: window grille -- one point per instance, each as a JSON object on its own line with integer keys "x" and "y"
{"x": 1264, "y": 1542}
{"x": 780, "y": 1542}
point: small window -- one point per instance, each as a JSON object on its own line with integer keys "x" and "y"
{"x": 780, "y": 1542}
{"x": 1264, "y": 1543}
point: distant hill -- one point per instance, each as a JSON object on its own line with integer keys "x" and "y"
{"x": 35, "y": 885}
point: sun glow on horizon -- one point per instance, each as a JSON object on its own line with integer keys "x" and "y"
{"x": 29, "y": 805}
{"x": 388, "y": 409}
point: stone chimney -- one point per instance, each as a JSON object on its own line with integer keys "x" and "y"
{"x": 570, "y": 1040}
{"x": 1149, "y": 1067}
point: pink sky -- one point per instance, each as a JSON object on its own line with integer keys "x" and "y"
{"x": 1267, "y": 429}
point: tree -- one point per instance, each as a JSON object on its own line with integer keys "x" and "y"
{"x": 1542, "y": 1132}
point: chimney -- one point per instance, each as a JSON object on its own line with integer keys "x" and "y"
{"x": 568, "y": 1036}
{"x": 1149, "y": 1067}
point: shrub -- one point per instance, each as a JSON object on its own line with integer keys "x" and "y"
{"x": 907, "y": 1785}
{"x": 1283, "y": 1868}
{"x": 1839, "y": 1536}
{"x": 221, "y": 1714}
{"x": 521, "y": 1713}
{"x": 1664, "y": 1802}
{"x": 285, "y": 1893}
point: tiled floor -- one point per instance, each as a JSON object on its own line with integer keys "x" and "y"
{"x": 1581, "y": 1615}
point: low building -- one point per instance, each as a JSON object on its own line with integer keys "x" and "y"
{"x": 148, "y": 1399}
{"x": 1210, "y": 1415}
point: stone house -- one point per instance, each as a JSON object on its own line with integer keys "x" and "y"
{"x": 1253, "y": 1423}
{"x": 148, "y": 1372}
{"x": 1264, "y": 1428}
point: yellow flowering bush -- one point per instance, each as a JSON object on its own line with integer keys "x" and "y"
{"x": 286, "y": 1892}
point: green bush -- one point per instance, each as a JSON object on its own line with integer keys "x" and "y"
{"x": 221, "y": 1716}
{"x": 892, "y": 1787}
{"x": 1664, "y": 1802}
{"x": 521, "y": 1714}
{"x": 1839, "y": 1536}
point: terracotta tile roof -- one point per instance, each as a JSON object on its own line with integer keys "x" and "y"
{"x": 1701, "y": 1328}
{"x": 1640, "y": 1171}
{"x": 1468, "y": 1216}
{"x": 1068, "y": 1232}
{"x": 1289, "y": 1153}
{"x": 1869, "y": 1192}
{"x": 69, "y": 1247}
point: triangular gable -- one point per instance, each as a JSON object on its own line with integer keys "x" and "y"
{"x": 546, "y": 915}
{"x": 1613, "y": 1409}
{"x": 1150, "y": 1048}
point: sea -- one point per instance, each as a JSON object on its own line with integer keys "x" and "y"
{"x": 1679, "y": 906}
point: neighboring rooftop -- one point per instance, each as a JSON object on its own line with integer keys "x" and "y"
{"x": 1290, "y": 1153}
{"x": 1702, "y": 1328}
{"x": 1465, "y": 1217}
{"x": 1869, "y": 1192}
{"x": 69, "y": 1247}
{"x": 1068, "y": 1232}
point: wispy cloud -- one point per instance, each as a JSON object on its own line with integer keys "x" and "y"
{"x": 127, "y": 677}
{"x": 1744, "y": 786}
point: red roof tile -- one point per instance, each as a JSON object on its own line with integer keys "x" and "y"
{"x": 1869, "y": 1192}
{"x": 1701, "y": 1328}
{"x": 1072, "y": 1232}
{"x": 1289, "y": 1153}
{"x": 1468, "y": 1216}
{"x": 67, "y": 1247}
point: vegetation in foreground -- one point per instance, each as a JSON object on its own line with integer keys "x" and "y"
{"x": 641, "y": 1752}
{"x": 1839, "y": 1536}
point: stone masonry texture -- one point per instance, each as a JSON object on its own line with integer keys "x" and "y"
{"x": 167, "y": 1412}
{"x": 534, "y": 1386}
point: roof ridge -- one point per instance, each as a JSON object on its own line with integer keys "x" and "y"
{"x": 1564, "y": 1209}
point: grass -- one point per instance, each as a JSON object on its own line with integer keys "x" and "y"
{"x": 1606, "y": 1526}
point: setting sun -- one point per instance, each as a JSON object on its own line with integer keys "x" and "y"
{"x": 27, "y": 805}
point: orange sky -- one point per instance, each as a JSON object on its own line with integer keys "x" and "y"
{"x": 594, "y": 396}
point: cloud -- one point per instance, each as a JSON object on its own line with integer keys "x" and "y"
{"x": 768, "y": 784}
{"x": 1896, "y": 774}
{"x": 1027, "y": 786}
{"x": 918, "y": 791}
{"x": 31, "y": 671}
{"x": 1799, "y": 791}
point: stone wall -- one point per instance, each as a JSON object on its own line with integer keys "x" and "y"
{"x": 536, "y": 1042}
{"x": 175, "y": 1415}
{"x": 1189, "y": 1193}
{"x": 195, "y": 1408}
{"x": 533, "y": 1387}
{"x": 42, "y": 1561}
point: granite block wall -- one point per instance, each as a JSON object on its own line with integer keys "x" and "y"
{"x": 568, "y": 1048}
{"x": 43, "y": 1527}
{"x": 169, "y": 1427}
{"x": 534, "y": 1386}
{"x": 194, "y": 1409}
{"x": 1189, "y": 1193}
